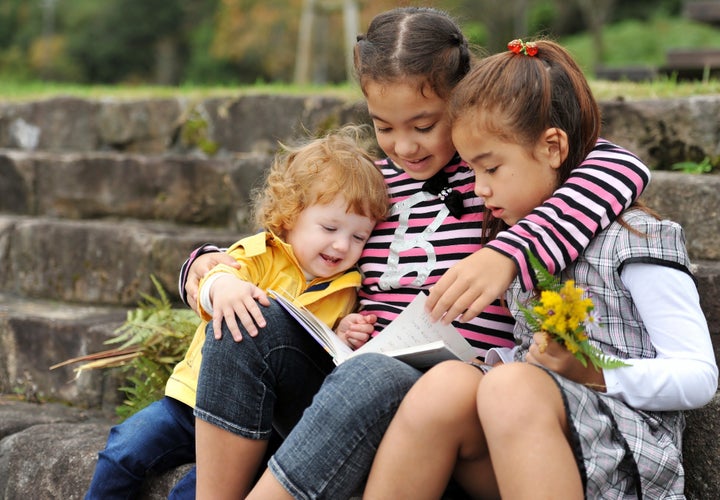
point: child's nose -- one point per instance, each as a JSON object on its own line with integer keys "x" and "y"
{"x": 482, "y": 190}
{"x": 341, "y": 244}
{"x": 406, "y": 147}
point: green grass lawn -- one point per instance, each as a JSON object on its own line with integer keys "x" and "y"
{"x": 663, "y": 88}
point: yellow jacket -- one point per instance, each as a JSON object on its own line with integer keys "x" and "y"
{"x": 268, "y": 262}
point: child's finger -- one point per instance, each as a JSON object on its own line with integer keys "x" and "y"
{"x": 252, "y": 318}
{"x": 217, "y": 327}
{"x": 246, "y": 320}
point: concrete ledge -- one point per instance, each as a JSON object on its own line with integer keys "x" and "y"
{"x": 49, "y": 451}
{"x": 99, "y": 262}
{"x": 701, "y": 452}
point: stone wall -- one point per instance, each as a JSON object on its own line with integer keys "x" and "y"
{"x": 96, "y": 195}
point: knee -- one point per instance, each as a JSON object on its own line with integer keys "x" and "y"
{"x": 377, "y": 373}
{"x": 516, "y": 387}
{"x": 371, "y": 382}
{"x": 445, "y": 393}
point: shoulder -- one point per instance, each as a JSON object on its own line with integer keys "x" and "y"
{"x": 607, "y": 154}
{"x": 645, "y": 223}
{"x": 256, "y": 244}
{"x": 638, "y": 236}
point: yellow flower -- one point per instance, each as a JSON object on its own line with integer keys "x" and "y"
{"x": 571, "y": 346}
{"x": 567, "y": 316}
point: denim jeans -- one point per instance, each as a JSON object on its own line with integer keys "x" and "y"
{"x": 329, "y": 452}
{"x": 156, "y": 439}
{"x": 263, "y": 382}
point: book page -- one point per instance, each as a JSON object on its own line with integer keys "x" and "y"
{"x": 411, "y": 337}
{"x": 414, "y": 328}
{"x": 319, "y": 330}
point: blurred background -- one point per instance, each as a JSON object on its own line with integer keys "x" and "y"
{"x": 231, "y": 42}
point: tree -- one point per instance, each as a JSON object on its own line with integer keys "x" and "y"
{"x": 596, "y": 14}
{"x": 310, "y": 30}
{"x": 125, "y": 40}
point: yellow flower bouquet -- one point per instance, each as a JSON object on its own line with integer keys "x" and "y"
{"x": 566, "y": 315}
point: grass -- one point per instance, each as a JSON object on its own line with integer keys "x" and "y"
{"x": 12, "y": 91}
{"x": 663, "y": 88}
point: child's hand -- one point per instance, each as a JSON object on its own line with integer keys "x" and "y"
{"x": 234, "y": 298}
{"x": 554, "y": 356}
{"x": 470, "y": 286}
{"x": 200, "y": 266}
{"x": 355, "y": 329}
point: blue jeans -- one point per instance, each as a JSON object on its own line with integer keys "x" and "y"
{"x": 156, "y": 439}
{"x": 264, "y": 382}
{"x": 329, "y": 452}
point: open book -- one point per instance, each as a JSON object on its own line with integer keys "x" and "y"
{"x": 411, "y": 337}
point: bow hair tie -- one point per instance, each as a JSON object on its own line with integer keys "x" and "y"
{"x": 438, "y": 184}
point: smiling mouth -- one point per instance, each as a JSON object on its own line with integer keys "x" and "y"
{"x": 331, "y": 260}
{"x": 415, "y": 162}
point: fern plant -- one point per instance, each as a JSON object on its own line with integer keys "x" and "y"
{"x": 151, "y": 341}
{"x": 565, "y": 314}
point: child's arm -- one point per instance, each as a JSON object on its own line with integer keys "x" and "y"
{"x": 200, "y": 261}
{"x": 682, "y": 376}
{"x": 224, "y": 296}
{"x": 606, "y": 183}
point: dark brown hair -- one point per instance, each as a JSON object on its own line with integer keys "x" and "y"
{"x": 418, "y": 44}
{"x": 518, "y": 97}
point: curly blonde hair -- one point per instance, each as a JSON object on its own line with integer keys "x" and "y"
{"x": 316, "y": 173}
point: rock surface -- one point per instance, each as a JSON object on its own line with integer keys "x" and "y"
{"x": 97, "y": 195}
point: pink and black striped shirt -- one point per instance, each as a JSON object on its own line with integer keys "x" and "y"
{"x": 420, "y": 240}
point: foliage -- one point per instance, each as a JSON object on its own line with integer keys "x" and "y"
{"x": 643, "y": 43}
{"x": 566, "y": 316}
{"x": 152, "y": 340}
{"x": 692, "y": 167}
{"x": 118, "y": 40}
{"x": 246, "y": 41}
{"x": 195, "y": 133}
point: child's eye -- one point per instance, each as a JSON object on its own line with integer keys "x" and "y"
{"x": 491, "y": 170}
{"x": 330, "y": 229}
{"x": 360, "y": 237}
{"x": 425, "y": 130}
{"x": 382, "y": 130}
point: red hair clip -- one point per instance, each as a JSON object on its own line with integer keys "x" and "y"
{"x": 517, "y": 46}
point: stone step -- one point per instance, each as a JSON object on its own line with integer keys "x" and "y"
{"x": 106, "y": 262}
{"x": 36, "y": 334}
{"x": 49, "y": 451}
{"x": 94, "y": 185}
{"x": 660, "y": 131}
{"x": 234, "y": 123}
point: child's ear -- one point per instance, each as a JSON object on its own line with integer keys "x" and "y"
{"x": 555, "y": 142}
